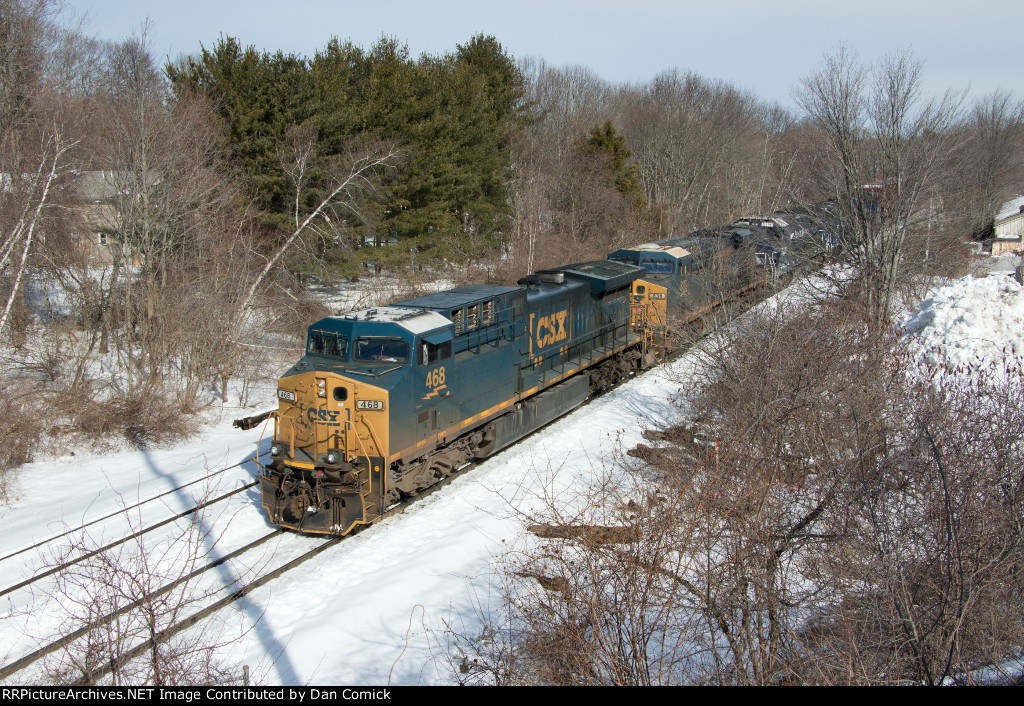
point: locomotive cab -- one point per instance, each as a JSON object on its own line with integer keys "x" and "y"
{"x": 668, "y": 265}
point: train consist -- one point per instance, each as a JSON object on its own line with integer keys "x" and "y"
{"x": 388, "y": 401}
{"x": 709, "y": 266}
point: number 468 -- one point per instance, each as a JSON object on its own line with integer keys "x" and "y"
{"x": 435, "y": 378}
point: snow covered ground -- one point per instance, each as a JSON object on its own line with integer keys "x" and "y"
{"x": 379, "y": 607}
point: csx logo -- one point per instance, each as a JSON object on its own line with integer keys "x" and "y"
{"x": 323, "y": 415}
{"x": 551, "y": 328}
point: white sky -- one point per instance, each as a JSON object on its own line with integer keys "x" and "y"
{"x": 761, "y": 46}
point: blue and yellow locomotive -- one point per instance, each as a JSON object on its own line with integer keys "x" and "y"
{"x": 699, "y": 273}
{"x": 388, "y": 401}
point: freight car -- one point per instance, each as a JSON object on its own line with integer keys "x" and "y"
{"x": 388, "y": 401}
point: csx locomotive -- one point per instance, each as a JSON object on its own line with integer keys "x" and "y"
{"x": 387, "y": 401}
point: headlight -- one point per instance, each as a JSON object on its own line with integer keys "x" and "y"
{"x": 332, "y": 458}
{"x": 275, "y": 450}
{"x": 321, "y": 387}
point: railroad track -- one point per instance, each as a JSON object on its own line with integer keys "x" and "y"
{"x": 50, "y": 571}
{"x": 13, "y": 667}
{"x": 118, "y": 513}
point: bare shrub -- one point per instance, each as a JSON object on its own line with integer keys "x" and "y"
{"x": 591, "y": 605}
{"x": 145, "y": 418}
{"x": 20, "y": 427}
{"x": 124, "y": 604}
{"x": 936, "y": 550}
{"x": 871, "y": 496}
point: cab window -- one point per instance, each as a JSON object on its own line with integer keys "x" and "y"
{"x": 316, "y": 344}
{"x": 658, "y": 267}
{"x": 382, "y": 350}
{"x": 335, "y": 346}
{"x": 327, "y": 344}
{"x": 433, "y": 352}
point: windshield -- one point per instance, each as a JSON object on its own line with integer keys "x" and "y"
{"x": 328, "y": 344}
{"x": 386, "y": 350}
{"x": 658, "y": 267}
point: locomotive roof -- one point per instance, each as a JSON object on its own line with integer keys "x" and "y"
{"x": 460, "y": 296}
{"x": 689, "y": 242}
{"x": 603, "y": 275}
{"x": 413, "y": 320}
{"x": 659, "y": 248}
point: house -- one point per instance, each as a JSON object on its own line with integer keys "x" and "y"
{"x": 95, "y": 193}
{"x": 1008, "y": 227}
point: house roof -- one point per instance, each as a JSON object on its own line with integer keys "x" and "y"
{"x": 96, "y": 186}
{"x": 1009, "y": 209}
{"x": 106, "y": 184}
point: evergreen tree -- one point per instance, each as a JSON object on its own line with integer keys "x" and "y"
{"x": 604, "y": 140}
{"x": 258, "y": 96}
{"x": 471, "y": 105}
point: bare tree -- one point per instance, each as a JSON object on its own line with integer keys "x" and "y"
{"x": 35, "y": 139}
{"x": 695, "y": 141}
{"x": 992, "y": 168}
{"x": 564, "y": 204}
{"x": 36, "y": 195}
{"x": 881, "y": 154}
{"x": 170, "y": 202}
{"x": 344, "y": 183}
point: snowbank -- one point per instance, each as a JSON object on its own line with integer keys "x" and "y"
{"x": 969, "y": 320}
